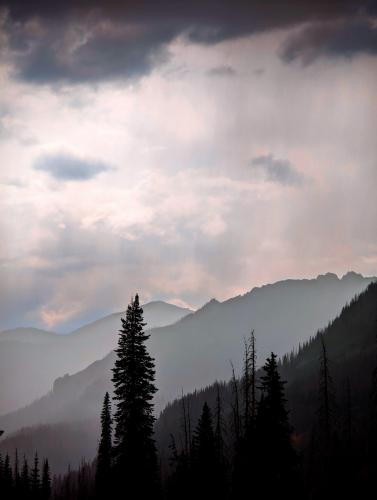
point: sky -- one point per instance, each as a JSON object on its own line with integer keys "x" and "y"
{"x": 184, "y": 150}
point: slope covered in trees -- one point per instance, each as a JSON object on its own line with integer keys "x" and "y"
{"x": 351, "y": 349}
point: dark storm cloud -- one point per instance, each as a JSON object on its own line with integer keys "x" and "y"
{"x": 64, "y": 167}
{"x": 276, "y": 170}
{"x": 93, "y": 40}
{"x": 344, "y": 38}
{"x": 93, "y": 51}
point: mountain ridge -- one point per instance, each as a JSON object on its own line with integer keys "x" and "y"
{"x": 45, "y": 356}
{"x": 147, "y": 305}
{"x": 206, "y": 340}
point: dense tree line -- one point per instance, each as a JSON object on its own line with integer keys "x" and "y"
{"x": 233, "y": 440}
{"x": 21, "y": 481}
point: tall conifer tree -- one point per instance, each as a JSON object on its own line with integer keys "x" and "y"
{"x": 104, "y": 457}
{"x": 276, "y": 454}
{"x": 46, "y": 481}
{"x": 25, "y": 480}
{"x": 7, "y": 477}
{"x": 17, "y": 477}
{"x": 326, "y": 399}
{"x": 204, "y": 455}
{"x": 135, "y": 456}
{"x": 35, "y": 478}
{"x": 1, "y": 471}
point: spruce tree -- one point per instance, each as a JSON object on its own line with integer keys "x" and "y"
{"x": 326, "y": 408}
{"x": 135, "y": 459}
{"x": 25, "y": 480}
{"x": 275, "y": 453}
{"x": 35, "y": 479}
{"x": 7, "y": 477}
{"x": 46, "y": 481}
{"x": 1, "y": 472}
{"x": 219, "y": 425}
{"x": 104, "y": 456}
{"x": 17, "y": 477}
{"x": 220, "y": 489}
{"x": 204, "y": 455}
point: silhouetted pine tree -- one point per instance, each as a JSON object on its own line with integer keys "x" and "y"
{"x": 326, "y": 399}
{"x": 373, "y": 416}
{"x": 46, "y": 482}
{"x": 84, "y": 483}
{"x": 186, "y": 424}
{"x": 7, "y": 477}
{"x": 1, "y": 472}
{"x": 219, "y": 426}
{"x": 276, "y": 456}
{"x": 204, "y": 456}
{"x": 16, "y": 476}
{"x": 104, "y": 456}
{"x": 35, "y": 483}
{"x": 220, "y": 489}
{"x": 135, "y": 459}
{"x": 25, "y": 480}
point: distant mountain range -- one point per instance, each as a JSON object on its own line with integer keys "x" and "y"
{"x": 189, "y": 354}
{"x": 195, "y": 352}
{"x": 31, "y": 359}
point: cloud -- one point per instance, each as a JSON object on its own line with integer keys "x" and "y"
{"x": 93, "y": 50}
{"x": 92, "y": 41}
{"x": 276, "y": 170}
{"x": 341, "y": 38}
{"x": 223, "y": 70}
{"x": 65, "y": 167}
{"x": 183, "y": 216}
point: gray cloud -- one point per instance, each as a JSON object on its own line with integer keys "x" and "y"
{"x": 65, "y": 167}
{"x": 94, "y": 50}
{"x": 344, "y": 38}
{"x": 276, "y": 170}
{"x": 223, "y": 70}
{"x": 80, "y": 41}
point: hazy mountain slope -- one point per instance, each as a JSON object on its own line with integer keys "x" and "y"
{"x": 352, "y": 350}
{"x": 31, "y": 359}
{"x": 33, "y": 335}
{"x": 196, "y": 350}
{"x": 65, "y": 445}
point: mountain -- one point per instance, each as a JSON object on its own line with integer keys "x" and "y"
{"x": 32, "y": 335}
{"x": 44, "y": 356}
{"x": 197, "y": 349}
{"x": 76, "y": 400}
{"x": 351, "y": 346}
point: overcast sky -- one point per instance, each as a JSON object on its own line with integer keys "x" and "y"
{"x": 185, "y": 150}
